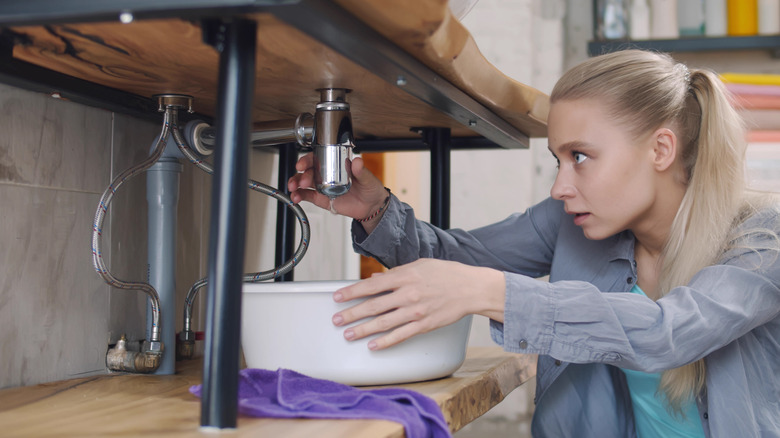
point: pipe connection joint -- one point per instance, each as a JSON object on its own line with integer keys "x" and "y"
{"x": 328, "y": 133}
{"x": 121, "y": 359}
{"x": 185, "y": 346}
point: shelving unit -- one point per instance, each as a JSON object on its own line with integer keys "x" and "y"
{"x": 691, "y": 44}
{"x": 762, "y": 158}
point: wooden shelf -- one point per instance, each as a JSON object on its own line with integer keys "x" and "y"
{"x": 408, "y": 64}
{"x": 124, "y": 405}
{"x": 689, "y": 44}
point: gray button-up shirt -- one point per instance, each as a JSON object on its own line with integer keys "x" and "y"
{"x": 584, "y": 323}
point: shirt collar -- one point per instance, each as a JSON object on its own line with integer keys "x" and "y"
{"x": 623, "y": 249}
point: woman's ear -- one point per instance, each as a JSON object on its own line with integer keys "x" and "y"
{"x": 664, "y": 148}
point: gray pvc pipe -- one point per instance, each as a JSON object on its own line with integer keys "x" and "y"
{"x": 162, "y": 197}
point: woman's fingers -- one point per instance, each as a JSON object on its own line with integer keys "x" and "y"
{"x": 301, "y": 180}
{"x": 305, "y": 162}
{"x": 367, "y": 287}
{"x": 304, "y": 195}
{"x": 397, "y": 323}
{"x": 382, "y": 323}
{"x": 362, "y": 199}
{"x": 397, "y": 336}
{"x": 397, "y": 314}
{"x": 420, "y": 296}
{"x": 372, "y": 307}
{"x": 301, "y": 187}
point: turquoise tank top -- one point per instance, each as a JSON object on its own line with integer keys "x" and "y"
{"x": 651, "y": 417}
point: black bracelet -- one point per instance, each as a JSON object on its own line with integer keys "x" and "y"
{"x": 384, "y": 205}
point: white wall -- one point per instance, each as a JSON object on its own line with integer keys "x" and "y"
{"x": 525, "y": 40}
{"x": 329, "y": 256}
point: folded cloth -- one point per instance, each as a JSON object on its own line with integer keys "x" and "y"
{"x": 287, "y": 394}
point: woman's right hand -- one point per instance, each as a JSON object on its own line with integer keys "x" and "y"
{"x": 366, "y": 195}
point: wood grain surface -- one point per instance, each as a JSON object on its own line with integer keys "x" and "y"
{"x": 148, "y": 57}
{"x": 125, "y": 405}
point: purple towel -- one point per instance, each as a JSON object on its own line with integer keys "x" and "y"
{"x": 288, "y": 394}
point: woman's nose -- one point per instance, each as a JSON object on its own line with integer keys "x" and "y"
{"x": 562, "y": 187}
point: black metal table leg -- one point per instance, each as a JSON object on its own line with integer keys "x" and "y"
{"x": 236, "y": 42}
{"x": 285, "y": 220}
{"x": 438, "y": 139}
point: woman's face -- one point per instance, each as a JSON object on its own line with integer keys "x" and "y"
{"x": 606, "y": 179}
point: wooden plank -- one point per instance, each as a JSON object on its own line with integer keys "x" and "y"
{"x": 487, "y": 377}
{"x": 428, "y": 31}
{"x": 291, "y": 67}
{"x": 148, "y": 57}
{"x": 135, "y": 405}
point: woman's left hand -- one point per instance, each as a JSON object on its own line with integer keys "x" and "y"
{"x": 424, "y": 295}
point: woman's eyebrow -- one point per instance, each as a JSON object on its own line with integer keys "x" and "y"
{"x": 569, "y": 146}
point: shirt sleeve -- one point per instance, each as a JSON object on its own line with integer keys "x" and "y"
{"x": 522, "y": 243}
{"x": 575, "y": 322}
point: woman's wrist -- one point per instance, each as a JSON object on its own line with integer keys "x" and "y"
{"x": 494, "y": 294}
{"x": 370, "y": 221}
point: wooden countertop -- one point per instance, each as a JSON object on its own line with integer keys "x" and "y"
{"x": 157, "y": 56}
{"x": 136, "y": 405}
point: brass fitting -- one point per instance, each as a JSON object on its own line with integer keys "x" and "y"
{"x": 120, "y": 359}
{"x": 185, "y": 346}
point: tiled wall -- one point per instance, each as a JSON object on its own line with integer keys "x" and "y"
{"x": 57, "y": 316}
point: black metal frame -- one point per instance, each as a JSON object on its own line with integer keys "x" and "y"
{"x": 35, "y": 12}
{"x": 285, "y": 219}
{"x": 31, "y": 77}
{"x": 418, "y": 144}
{"x": 236, "y": 41}
{"x": 438, "y": 139}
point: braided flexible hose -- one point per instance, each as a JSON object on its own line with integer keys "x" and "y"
{"x": 97, "y": 226}
{"x": 258, "y": 187}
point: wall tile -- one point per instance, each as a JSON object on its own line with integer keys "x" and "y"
{"x": 127, "y": 226}
{"x": 52, "y": 304}
{"x": 52, "y": 143}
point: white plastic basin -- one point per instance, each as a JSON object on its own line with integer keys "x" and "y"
{"x": 288, "y": 325}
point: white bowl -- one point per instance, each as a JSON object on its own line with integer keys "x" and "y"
{"x": 288, "y": 325}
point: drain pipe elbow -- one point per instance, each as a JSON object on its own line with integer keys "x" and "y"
{"x": 121, "y": 360}
{"x": 201, "y": 136}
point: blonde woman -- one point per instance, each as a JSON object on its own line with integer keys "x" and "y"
{"x": 661, "y": 317}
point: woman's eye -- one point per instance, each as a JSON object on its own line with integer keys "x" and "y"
{"x": 579, "y": 157}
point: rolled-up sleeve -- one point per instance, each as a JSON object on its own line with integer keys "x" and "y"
{"x": 522, "y": 243}
{"x": 574, "y": 321}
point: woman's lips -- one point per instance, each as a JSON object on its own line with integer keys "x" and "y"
{"x": 579, "y": 218}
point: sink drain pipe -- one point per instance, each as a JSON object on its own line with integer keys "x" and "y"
{"x": 162, "y": 198}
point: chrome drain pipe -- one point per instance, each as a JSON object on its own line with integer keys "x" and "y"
{"x": 328, "y": 133}
{"x": 201, "y": 136}
{"x": 332, "y": 142}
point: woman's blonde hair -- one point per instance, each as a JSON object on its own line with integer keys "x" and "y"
{"x": 644, "y": 91}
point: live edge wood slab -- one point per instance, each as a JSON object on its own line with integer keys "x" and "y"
{"x": 124, "y": 405}
{"x": 148, "y": 57}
